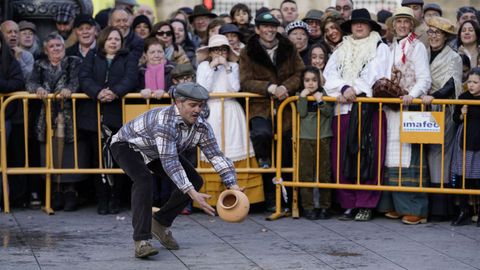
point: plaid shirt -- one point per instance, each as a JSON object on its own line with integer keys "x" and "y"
{"x": 162, "y": 134}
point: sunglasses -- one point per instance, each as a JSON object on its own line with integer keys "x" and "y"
{"x": 162, "y": 33}
{"x": 220, "y": 49}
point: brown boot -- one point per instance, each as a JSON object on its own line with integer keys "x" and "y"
{"x": 164, "y": 235}
{"x": 144, "y": 249}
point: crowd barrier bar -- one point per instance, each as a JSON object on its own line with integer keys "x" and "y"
{"x": 49, "y": 168}
{"x": 296, "y": 183}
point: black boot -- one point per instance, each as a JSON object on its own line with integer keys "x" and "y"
{"x": 463, "y": 218}
{"x": 114, "y": 205}
{"x": 102, "y": 208}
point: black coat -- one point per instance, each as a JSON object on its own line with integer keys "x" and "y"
{"x": 11, "y": 81}
{"x": 74, "y": 50}
{"x": 95, "y": 75}
{"x": 134, "y": 44}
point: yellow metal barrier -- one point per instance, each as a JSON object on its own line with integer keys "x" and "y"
{"x": 129, "y": 111}
{"x": 297, "y": 183}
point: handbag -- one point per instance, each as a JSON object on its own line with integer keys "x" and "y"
{"x": 386, "y": 88}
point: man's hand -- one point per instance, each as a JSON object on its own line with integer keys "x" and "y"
{"x": 281, "y": 92}
{"x": 201, "y": 199}
{"x": 41, "y": 93}
{"x": 65, "y": 93}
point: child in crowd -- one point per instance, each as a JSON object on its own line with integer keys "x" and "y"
{"x": 242, "y": 16}
{"x": 312, "y": 81}
{"x": 471, "y": 145}
{"x": 234, "y": 36}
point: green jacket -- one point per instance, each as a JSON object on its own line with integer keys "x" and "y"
{"x": 308, "y": 119}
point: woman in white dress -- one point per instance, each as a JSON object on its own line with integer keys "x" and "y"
{"x": 218, "y": 72}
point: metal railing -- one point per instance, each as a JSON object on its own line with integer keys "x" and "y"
{"x": 296, "y": 183}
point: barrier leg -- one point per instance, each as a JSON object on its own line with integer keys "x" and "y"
{"x": 295, "y": 209}
{"x": 6, "y": 197}
{"x": 279, "y": 212}
{"x": 48, "y": 196}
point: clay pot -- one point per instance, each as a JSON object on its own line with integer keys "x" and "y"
{"x": 233, "y": 206}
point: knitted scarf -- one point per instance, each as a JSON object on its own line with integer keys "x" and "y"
{"x": 355, "y": 54}
{"x": 155, "y": 77}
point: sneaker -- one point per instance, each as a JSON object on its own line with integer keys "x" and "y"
{"x": 392, "y": 215}
{"x": 58, "y": 201}
{"x": 413, "y": 220}
{"x": 144, "y": 249}
{"x": 364, "y": 215}
{"x": 164, "y": 235}
{"x": 71, "y": 203}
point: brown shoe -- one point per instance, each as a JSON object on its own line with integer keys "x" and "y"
{"x": 413, "y": 220}
{"x": 144, "y": 249}
{"x": 164, "y": 235}
{"x": 392, "y": 215}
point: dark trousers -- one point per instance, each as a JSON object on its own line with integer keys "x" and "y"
{"x": 134, "y": 166}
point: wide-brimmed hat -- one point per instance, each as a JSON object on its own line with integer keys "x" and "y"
{"x": 216, "y": 41}
{"x": 360, "y": 15}
{"x": 403, "y": 12}
{"x": 201, "y": 10}
{"x": 443, "y": 24}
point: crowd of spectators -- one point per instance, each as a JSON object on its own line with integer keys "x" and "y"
{"x": 339, "y": 52}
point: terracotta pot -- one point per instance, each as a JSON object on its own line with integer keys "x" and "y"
{"x": 233, "y": 206}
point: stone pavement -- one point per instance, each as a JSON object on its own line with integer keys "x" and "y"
{"x": 85, "y": 240}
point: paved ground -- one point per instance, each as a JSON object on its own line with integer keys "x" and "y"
{"x": 85, "y": 240}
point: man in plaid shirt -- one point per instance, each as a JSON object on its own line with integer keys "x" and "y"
{"x": 154, "y": 142}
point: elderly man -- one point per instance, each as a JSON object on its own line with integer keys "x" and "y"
{"x": 351, "y": 71}
{"x": 86, "y": 32}
{"x": 422, "y": 28}
{"x": 154, "y": 142}
{"x": 10, "y": 32}
{"x": 270, "y": 66}
{"x": 314, "y": 21}
{"x": 122, "y": 19}
{"x": 345, "y": 7}
{"x": 200, "y": 19}
{"x": 410, "y": 58}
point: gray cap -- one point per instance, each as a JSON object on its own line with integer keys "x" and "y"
{"x": 191, "y": 90}
{"x": 412, "y": 2}
{"x": 432, "y": 6}
{"x": 313, "y": 14}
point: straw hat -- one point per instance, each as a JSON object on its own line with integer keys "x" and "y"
{"x": 216, "y": 41}
{"x": 443, "y": 24}
{"x": 402, "y": 12}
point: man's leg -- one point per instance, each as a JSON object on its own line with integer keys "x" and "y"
{"x": 178, "y": 200}
{"x": 133, "y": 164}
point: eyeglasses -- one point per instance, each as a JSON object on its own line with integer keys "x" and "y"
{"x": 166, "y": 33}
{"x": 345, "y": 8}
{"x": 312, "y": 22}
{"x": 220, "y": 49}
{"x": 432, "y": 33}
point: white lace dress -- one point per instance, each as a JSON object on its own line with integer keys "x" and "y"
{"x": 217, "y": 80}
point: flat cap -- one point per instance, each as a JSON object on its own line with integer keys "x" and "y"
{"x": 191, "y": 90}
{"x": 182, "y": 70}
{"x": 313, "y": 14}
{"x": 65, "y": 13}
{"x": 412, "y": 2}
{"x": 432, "y": 6}
{"x": 266, "y": 18}
{"x": 23, "y": 25}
